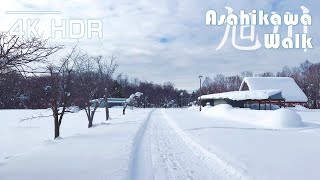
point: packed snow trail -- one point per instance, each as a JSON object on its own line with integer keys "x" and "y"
{"x": 159, "y": 152}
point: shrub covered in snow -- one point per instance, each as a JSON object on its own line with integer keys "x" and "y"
{"x": 300, "y": 108}
{"x": 277, "y": 119}
{"x": 73, "y": 109}
{"x": 222, "y": 107}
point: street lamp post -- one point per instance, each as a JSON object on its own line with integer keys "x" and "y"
{"x": 200, "y": 77}
{"x": 181, "y": 97}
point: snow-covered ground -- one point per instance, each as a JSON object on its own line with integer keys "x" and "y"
{"x": 103, "y": 152}
{"x": 217, "y": 143}
{"x": 256, "y": 151}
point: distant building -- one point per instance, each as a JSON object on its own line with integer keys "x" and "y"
{"x": 111, "y": 102}
{"x": 260, "y": 93}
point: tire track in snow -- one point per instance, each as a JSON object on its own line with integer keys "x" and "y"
{"x": 160, "y": 153}
{"x": 136, "y": 164}
{"x": 176, "y": 158}
{"x": 216, "y": 163}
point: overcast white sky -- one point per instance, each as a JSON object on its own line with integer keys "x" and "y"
{"x": 167, "y": 40}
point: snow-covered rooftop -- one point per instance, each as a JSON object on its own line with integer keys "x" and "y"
{"x": 243, "y": 95}
{"x": 290, "y": 90}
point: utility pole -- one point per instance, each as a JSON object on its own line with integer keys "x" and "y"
{"x": 200, "y": 77}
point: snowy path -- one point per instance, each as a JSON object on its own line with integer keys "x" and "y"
{"x": 161, "y": 153}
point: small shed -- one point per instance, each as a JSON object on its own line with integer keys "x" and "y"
{"x": 111, "y": 102}
{"x": 291, "y": 92}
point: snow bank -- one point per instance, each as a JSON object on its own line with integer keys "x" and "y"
{"x": 257, "y": 153}
{"x": 283, "y": 118}
{"x": 277, "y": 119}
{"x": 300, "y": 108}
{"x": 220, "y": 110}
{"x": 222, "y": 107}
{"x": 208, "y": 106}
{"x": 193, "y": 107}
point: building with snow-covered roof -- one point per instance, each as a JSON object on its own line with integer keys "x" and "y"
{"x": 257, "y": 91}
{"x": 243, "y": 98}
{"x": 291, "y": 92}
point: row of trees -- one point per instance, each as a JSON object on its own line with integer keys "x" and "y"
{"x": 154, "y": 95}
{"x": 86, "y": 79}
{"x": 307, "y": 76}
{"x": 77, "y": 79}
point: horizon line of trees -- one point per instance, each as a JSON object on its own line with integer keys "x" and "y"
{"x": 33, "y": 92}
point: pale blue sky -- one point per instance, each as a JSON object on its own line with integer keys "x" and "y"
{"x": 167, "y": 40}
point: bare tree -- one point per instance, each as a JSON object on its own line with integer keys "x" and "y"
{"x": 106, "y": 69}
{"x": 88, "y": 83}
{"x": 17, "y": 53}
{"x": 61, "y": 84}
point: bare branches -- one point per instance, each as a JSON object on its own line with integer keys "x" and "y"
{"x": 34, "y": 117}
{"x": 61, "y": 86}
{"x": 94, "y": 76}
{"x": 16, "y": 52}
{"x": 106, "y": 68}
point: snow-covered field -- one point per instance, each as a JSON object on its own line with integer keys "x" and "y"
{"x": 103, "y": 152}
{"x": 217, "y": 143}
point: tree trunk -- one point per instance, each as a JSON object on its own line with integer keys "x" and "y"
{"x": 90, "y": 114}
{"x": 106, "y": 104}
{"x": 90, "y": 122}
{"x": 56, "y": 127}
{"x": 107, "y": 112}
